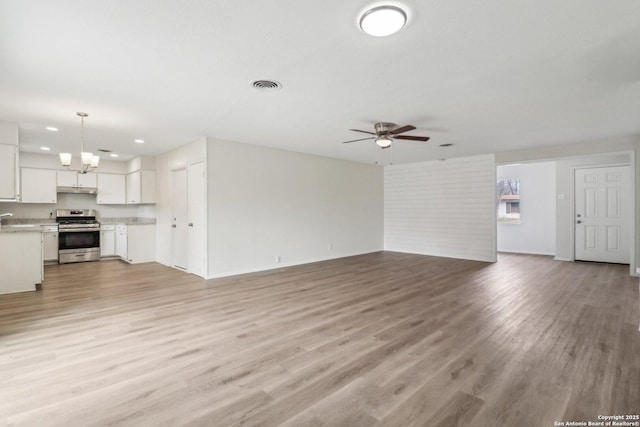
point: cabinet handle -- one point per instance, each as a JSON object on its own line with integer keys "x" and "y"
{"x": 190, "y": 224}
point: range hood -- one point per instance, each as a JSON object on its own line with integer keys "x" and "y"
{"x": 77, "y": 190}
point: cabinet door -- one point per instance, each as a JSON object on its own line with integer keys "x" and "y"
{"x": 134, "y": 182}
{"x": 50, "y": 242}
{"x": 88, "y": 180}
{"x": 141, "y": 243}
{"x": 8, "y": 161}
{"x": 107, "y": 242}
{"x": 38, "y": 186}
{"x": 147, "y": 187}
{"x": 121, "y": 244}
{"x": 67, "y": 178}
{"x": 111, "y": 189}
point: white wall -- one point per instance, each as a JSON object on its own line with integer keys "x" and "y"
{"x": 73, "y": 201}
{"x": 52, "y": 161}
{"x": 165, "y": 163}
{"x": 442, "y": 208}
{"x": 266, "y": 203}
{"x": 536, "y": 233}
{"x": 565, "y": 204}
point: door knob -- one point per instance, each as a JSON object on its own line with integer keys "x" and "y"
{"x": 190, "y": 224}
{"x": 578, "y": 215}
{"x": 578, "y": 222}
{"x": 173, "y": 226}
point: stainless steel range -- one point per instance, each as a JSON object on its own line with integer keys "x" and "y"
{"x": 78, "y": 235}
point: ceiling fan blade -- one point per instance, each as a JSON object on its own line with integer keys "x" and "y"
{"x": 402, "y": 129}
{"x": 363, "y": 131}
{"x": 355, "y": 140}
{"x": 412, "y": 138}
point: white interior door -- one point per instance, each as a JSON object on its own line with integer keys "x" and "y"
{"x": 180, "y": 219}
{"x": 603, "y": 214}
{"x": 197, "y": 219}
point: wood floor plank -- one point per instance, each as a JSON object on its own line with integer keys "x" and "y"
{"x": 384, "y": 339}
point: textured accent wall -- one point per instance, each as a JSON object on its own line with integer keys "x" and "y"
{"x": 442, "y": 208}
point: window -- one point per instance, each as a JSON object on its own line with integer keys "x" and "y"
{"x": 508, "y": 200}
{"x": 513, "y": 207}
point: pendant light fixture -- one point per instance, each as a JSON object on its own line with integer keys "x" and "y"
{"x": 89, "y": 162}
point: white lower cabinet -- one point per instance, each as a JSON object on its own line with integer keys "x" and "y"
{"x": 50, "y": 242}
{"x": 136, "y": 243}
{"x": 107, "y": 240}
{"x": 121, "y": 241}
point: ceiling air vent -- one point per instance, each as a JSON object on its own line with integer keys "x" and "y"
{"x": 104, "y": 150}
{"x": 266, "y": 85}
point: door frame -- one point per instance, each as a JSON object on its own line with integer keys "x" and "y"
{"x": 632, "y": 186}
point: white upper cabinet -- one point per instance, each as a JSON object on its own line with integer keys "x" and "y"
{"x": 8, "y": 161}
{"x": 8, "y": 168}
{"x": 75, "y": 179}
{"x": 88, "y": 180}
{"x": 38, "y": 185}
{"x": 141, "y": 187}
{"x": 111, "y": 189}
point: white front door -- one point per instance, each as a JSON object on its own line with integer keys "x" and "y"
{"x": 180, "y": 219}
{"x": 603, "y": 214}
{"x": 197, "y": 219}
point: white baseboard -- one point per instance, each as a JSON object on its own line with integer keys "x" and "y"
{"x": 283, "y": 265}
{"x": 528, "y": 252}
{"x": 557, "y": 258}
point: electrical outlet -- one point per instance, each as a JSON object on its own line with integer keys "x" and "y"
{"x": 637, "y": 270}
{"x": 330, "y": 246}
{"x": 278, "y": 259}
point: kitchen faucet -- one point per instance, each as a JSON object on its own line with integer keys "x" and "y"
{"x": 3, "y": 215}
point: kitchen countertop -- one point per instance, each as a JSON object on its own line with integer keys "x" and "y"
{"x": 128, "y": 221}
{"x": 28, "y": 221}
{"x": 21, "y": 228}
{"x": 27, "y": 224}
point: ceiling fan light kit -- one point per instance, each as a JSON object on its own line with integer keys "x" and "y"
{"x": 382, "y": 21}
{"x": 383, "y": 141}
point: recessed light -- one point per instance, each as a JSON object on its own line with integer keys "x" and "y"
{"x": 382, "y": 21}
{"x": 45, "y": 148}
{"x": 113, "y": 155}
{"x": 448, "y": 144}
{"x": 52, "y": 129}
{"x": 139, "y": 141}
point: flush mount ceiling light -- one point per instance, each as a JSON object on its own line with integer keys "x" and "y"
{"x": 89, "y": 161}
{"x": 52, "y": 129}
{"x": 139, "y": 141}
{"x": 382, "y": 21}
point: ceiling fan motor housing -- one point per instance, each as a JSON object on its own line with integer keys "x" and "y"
{"x": 384, "y": 128}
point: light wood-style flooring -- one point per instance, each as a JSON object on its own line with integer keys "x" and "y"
{"x": 384, "y": 339}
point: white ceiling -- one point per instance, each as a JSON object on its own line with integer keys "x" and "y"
{"x": 487, "y": 76}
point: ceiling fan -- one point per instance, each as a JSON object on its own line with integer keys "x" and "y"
{"x": 385, "y": 133}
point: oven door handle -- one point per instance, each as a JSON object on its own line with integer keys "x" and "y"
{"x": 77, "y": 230}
